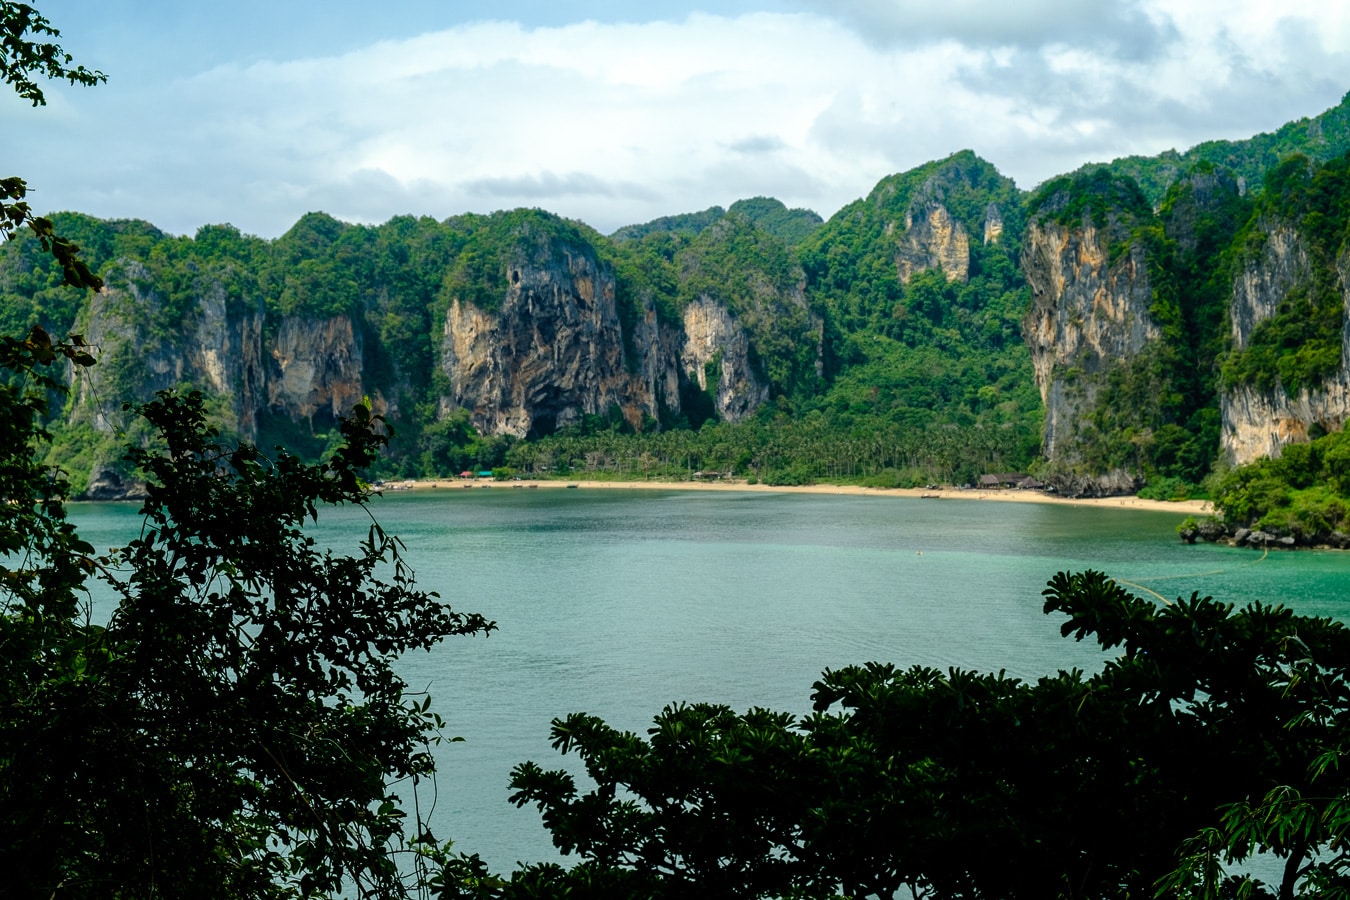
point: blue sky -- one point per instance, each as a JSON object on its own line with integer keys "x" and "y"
{"x": 256, "y": 112}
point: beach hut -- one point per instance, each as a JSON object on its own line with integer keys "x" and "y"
{"x": 1002, "y": 480}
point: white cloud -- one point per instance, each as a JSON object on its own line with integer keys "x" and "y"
{"x": 1123, "y": 26}
{"x": 619, "y": 123}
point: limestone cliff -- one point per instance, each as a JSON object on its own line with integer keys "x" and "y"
{"x": 526, "y": 347}
{"x": 932, "y": 239}
{"x": 1256, "y": 422}
{"x": 552, "y": 353}
{"x": 316, "y": 370}
{"x": 930, "y": 234}
{"x": 993, "y": 224}
{"x": 555, "y": 349}
{"x": 657, "y": 380}
{"x": 145, "y": 346}
{"x": 306, "y": 371}
{"x": 748, "y": 328}
{"x": 1089, "y": 320}
{"x": 716, "y": 355}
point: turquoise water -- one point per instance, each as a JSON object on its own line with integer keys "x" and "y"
{"x": 618, "y": 602}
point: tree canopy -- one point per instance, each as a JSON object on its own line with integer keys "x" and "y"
{"x": 25, "y": 52}
{"x": 1215, "y": 734}
{"x": 235, "y": 727}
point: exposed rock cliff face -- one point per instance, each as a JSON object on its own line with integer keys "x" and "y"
{"x": 993, "y": 224}
{"x": 213, "y": 347}
{"x": 716, "y": 355}
{"x": 554, "y": 348}
{"x": 312, "y": 370}
{"x": 556, "y": 351}
{"x": 656, "y": 379}
{"x": 928, "y": 233}
{"x": 553, "y": 353}
{"x": 1263, "y": 282}
{"x": 1260, "y": 423}
{"x": 1088, "y": 317}
{"x": 316, "y": 370}
{"x": 932, "y": 239}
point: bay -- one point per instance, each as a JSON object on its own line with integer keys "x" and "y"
{"x": 618, "y": 602}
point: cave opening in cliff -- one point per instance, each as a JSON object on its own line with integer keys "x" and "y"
{"x": 543, "y": 425}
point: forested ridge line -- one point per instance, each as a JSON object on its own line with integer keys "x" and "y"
{"x": 886, "y": 345}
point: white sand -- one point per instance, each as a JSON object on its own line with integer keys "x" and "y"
{"x": 1182, "y": 507}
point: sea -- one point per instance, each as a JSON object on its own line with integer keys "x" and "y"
{"x": 619, "y": 602}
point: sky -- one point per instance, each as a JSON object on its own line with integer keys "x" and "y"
{"x": 254, "y": 113}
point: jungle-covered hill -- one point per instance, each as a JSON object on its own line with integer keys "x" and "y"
{"x": 1130, "y": 324}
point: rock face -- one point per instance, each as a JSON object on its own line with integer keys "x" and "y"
{"x": 1261, "y": 423}
{"x": 932, "y": 237}
{"x": 108, "y": 484}
{"x": 993, "y": 224}
{"x": 932, "y": 240}
{"x": 716, "y": 356}
{"x": 1263, "y": 282}
{"x": 556, "y": 350}
{"x": 553, "y": 353}
{"x": 1089, "y": 316}
{"x": 308, "y": 371}
{"x": 142, "y": 350}
{"x": 539, "y": 343}
{"x": 315, "y": 373}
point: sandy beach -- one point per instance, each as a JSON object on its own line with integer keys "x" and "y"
{"x": 1182, "y": 508}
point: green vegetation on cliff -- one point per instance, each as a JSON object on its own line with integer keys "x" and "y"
{"x": 791, "y": 226}
{"x": 902, "y": 316}
{"x": 1187, "y": 247}
{"x": 938, "y": 349}
{"x": 487, "y": 247}
{"x": 1096, "y": 195}
{"x": 752, "y": 274}
{"x": 1300, "y": 345}
{"x": 1322, "y": 137}
{"x": 1155, "y": 412}
{"x": 1303, "y": 493}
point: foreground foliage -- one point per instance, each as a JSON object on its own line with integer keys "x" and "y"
{"x": 27, "y": 50}
{"x": 235, "y": 727}
{"x": 1215, "y": 734}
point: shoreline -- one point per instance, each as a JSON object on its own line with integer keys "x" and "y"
{"x": 1181, "y": 507}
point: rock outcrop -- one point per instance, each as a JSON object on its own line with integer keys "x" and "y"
{"x": 556, "y": 350}
{"x": 716, "y": 356}
{"x": 530, "y": 347}
{"x": 316, "y": 370}
{"x": 932, "y": 222}
{"x": 993, "y": 224}
{"x": 145, "y": 346}
{"x": 1089, "y": 317}
{"x": 1086, "y": 316}
{"x": 932, "y": 239}
{"x": 552, "y": 353}
{"x": 1259, "y": 423}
